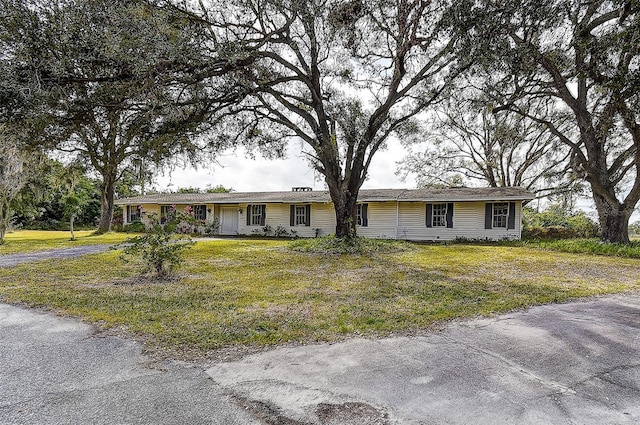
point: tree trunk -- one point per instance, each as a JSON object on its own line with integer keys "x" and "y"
{"x": 73, "y": 236}
{"x": 344, "y": 203}
{"x": 107, "y": 189}
{"x": 5, "y": 217}
{"x": 614, "y": 220}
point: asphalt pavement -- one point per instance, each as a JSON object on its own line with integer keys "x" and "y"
{"x": 8, "y": 260}
{"x": 575, "y": 363}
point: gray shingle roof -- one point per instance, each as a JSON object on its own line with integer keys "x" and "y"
{"x": 322, "y": 196}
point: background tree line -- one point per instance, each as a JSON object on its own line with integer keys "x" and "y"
{"x": 537, "y": 93}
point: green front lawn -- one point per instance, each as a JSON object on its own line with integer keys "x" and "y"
{"x": 257, "y": 292}
{"x": 42, "y": 240}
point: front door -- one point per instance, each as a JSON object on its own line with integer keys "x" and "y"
{"x": 229, "y": 221}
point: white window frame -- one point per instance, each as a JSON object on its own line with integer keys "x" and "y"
{"x": 257, "y": 211}
{"x": 300, "y": 215}
{"x": 133, "y": 213}
{"x": 500, "y": 216}
{"x": 439, "y": 215}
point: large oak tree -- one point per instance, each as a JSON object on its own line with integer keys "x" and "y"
{"x": 341, "y": 76}
{"x": 104, "y": 80}
{"x": 583, "y": 59}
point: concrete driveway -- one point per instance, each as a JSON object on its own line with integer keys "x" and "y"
{"x": 576, "y": 363}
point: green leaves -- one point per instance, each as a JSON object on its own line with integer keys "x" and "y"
{"x": 160, "y": 249}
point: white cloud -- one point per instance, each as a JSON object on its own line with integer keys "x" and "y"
{"x": 243, "y": 174}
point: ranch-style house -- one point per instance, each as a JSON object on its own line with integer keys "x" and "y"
{"x": 419, "y": 215}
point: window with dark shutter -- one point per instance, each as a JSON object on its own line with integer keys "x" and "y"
{"x": 500, "y": 214}
{"x": 362, "y": 218}
{"x": 300, "y": 215}
{"x": 450, "y": 215}
{"x": 256, "y": 215}
{"x": 511, "y": 223}
{"x": 488, "y": 215}
{"x": 428, "y": 220}
{"x": 438, "y": 215}
{"x": 200, "y": 212}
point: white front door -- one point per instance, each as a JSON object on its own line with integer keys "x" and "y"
{"x": 229, "y": 221}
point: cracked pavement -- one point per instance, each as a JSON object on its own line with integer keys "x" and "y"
{"x": 572, "y": 363}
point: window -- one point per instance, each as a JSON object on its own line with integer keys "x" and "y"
{"x": 439, "y": 215}
{"x": 133, "y": 213}
{"x": 200, "y": 212}
{"x": 300, "y": 215}
{"x": 165, "y": 212}
{"x": 500, "y": 214}
{"x": 362, "y": 218}
{"x": 256, "y": 215}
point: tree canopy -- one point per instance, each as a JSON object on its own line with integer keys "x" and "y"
{"x": 99, "y": 90}
{"x": 467, "y": 144}
{"x": 583, "y": 60}
{"x": 342, "y": 76}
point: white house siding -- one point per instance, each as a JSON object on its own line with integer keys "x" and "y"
{"x": 468, "y": 223}
{"x": 391, "y": 219}
{"x": 382, "y": 220}
{"x": 322, "y": 218}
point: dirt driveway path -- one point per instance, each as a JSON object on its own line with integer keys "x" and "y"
{"x": 14, "y": 259}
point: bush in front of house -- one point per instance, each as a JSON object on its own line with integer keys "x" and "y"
{"x": 160, "y": 249}
{"x": 134, "y": 227}
{"x": 355, "y": 245}
{"x": 554, "y": 223}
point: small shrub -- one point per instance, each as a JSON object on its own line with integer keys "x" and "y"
{"x": 264, "y": 231}
{"x": 282, "y": 232}
{"x": 161, "y": 248}
{"x": 134, "y": 227}
{"x": 212, "y": 228}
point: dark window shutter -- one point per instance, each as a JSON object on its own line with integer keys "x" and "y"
{"x": 429, "y": 215}
{"x": 308, "y": 214}
{"x": 511, "y": 222}
{"x": 292, "y": 215}
{"x": 488, "y": 215}
{"x": 263, "y": 219}
{"x": 364, "y": 214}
{"x": 450, "y": 215}
{"x": 248, "y": 215}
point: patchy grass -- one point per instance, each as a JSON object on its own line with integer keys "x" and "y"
{"x": 235, "y": 293}
{"x": 586, "y": 246}
{"x": 41, "y": 240}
